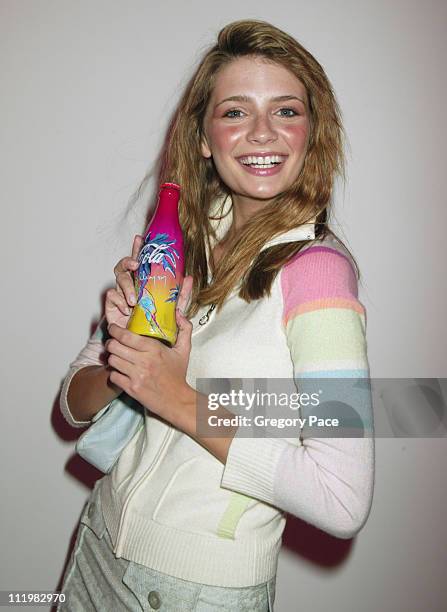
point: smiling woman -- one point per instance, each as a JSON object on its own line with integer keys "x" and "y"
{"x": 188, "y": 520}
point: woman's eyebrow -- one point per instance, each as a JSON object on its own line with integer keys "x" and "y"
{"x": 248, "y": 99}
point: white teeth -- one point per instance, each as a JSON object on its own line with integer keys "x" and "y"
{"x": 267, "y": 160}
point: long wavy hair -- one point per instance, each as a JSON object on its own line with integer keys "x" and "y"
{"x": 245, "y": 266}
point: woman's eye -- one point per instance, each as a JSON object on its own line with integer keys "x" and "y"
{"x": 288, "y": 112}
{"x": 229, "y": 113}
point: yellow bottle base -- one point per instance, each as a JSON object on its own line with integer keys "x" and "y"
{"x": 139, "y": 324}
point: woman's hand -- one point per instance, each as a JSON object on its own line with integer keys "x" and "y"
{"x": 120, "y": 300}
{"x": 155, "y": 375}
{"x": 149, "y": 371}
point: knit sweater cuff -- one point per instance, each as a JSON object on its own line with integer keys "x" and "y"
{"x": 251, "y": 467}
{"x": 63, "y": 402}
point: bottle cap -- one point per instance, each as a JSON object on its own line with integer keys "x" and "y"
{"x": 171, "y": 185}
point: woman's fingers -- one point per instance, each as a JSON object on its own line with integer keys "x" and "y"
{"x": 124, "y": 280}
{"x": 114, "y": 347}
{"x": 123, "y": 272}
{"x": 185, "y": 294}
{"x": 115, "y": 300}
{"x": 124, "y": 265}
{"x": 137, "y": 244}
{"x": 122, "y": 365}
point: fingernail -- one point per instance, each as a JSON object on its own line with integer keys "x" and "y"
{"x": 132, "y": 299}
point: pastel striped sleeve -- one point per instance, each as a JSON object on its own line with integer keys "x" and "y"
{"x": 325, "y": 481}
{"x": 93, "y": 353}
{"x": 324, "y": 321}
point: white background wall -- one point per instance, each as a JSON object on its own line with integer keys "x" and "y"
{"x": 87, "y": 90}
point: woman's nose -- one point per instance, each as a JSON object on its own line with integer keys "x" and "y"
{"x": 261, "y": 130}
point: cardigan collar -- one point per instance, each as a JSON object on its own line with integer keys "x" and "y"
{"x": 223, "y": 208}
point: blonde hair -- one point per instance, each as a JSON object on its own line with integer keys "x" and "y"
{"x": 309, "y": 197}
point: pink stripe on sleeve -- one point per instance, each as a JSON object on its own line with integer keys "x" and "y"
{"x": 318, "y": 273}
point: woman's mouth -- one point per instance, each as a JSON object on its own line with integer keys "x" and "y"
{"x": 262, "y": 166}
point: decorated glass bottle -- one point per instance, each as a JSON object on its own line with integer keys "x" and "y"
{"x": 160, "y": 272}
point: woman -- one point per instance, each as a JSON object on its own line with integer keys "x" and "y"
{"x": 189, "y": 521}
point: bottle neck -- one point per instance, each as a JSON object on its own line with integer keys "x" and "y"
{"x": 168, "y": 200}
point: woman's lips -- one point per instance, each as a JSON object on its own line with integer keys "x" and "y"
{"x": 262, "y": 171}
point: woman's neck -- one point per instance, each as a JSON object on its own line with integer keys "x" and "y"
{"x": 243, "y": 209}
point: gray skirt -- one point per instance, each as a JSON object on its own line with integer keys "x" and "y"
{"x": 95, "y": 580}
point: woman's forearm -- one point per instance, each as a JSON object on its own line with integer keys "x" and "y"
{"x": 89, "y": 391}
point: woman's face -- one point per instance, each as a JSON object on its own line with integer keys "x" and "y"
{"x": 267, "y": 117}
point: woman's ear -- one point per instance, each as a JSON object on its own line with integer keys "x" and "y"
{"x": 204, "y": 147}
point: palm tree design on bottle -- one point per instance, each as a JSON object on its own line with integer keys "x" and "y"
{"x": 157, "y": 250}
{"x": 174, "y": 294}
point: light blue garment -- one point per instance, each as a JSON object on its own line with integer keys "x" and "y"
{"x": 112, "y": 428}
{"x": 96, "y": 581}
